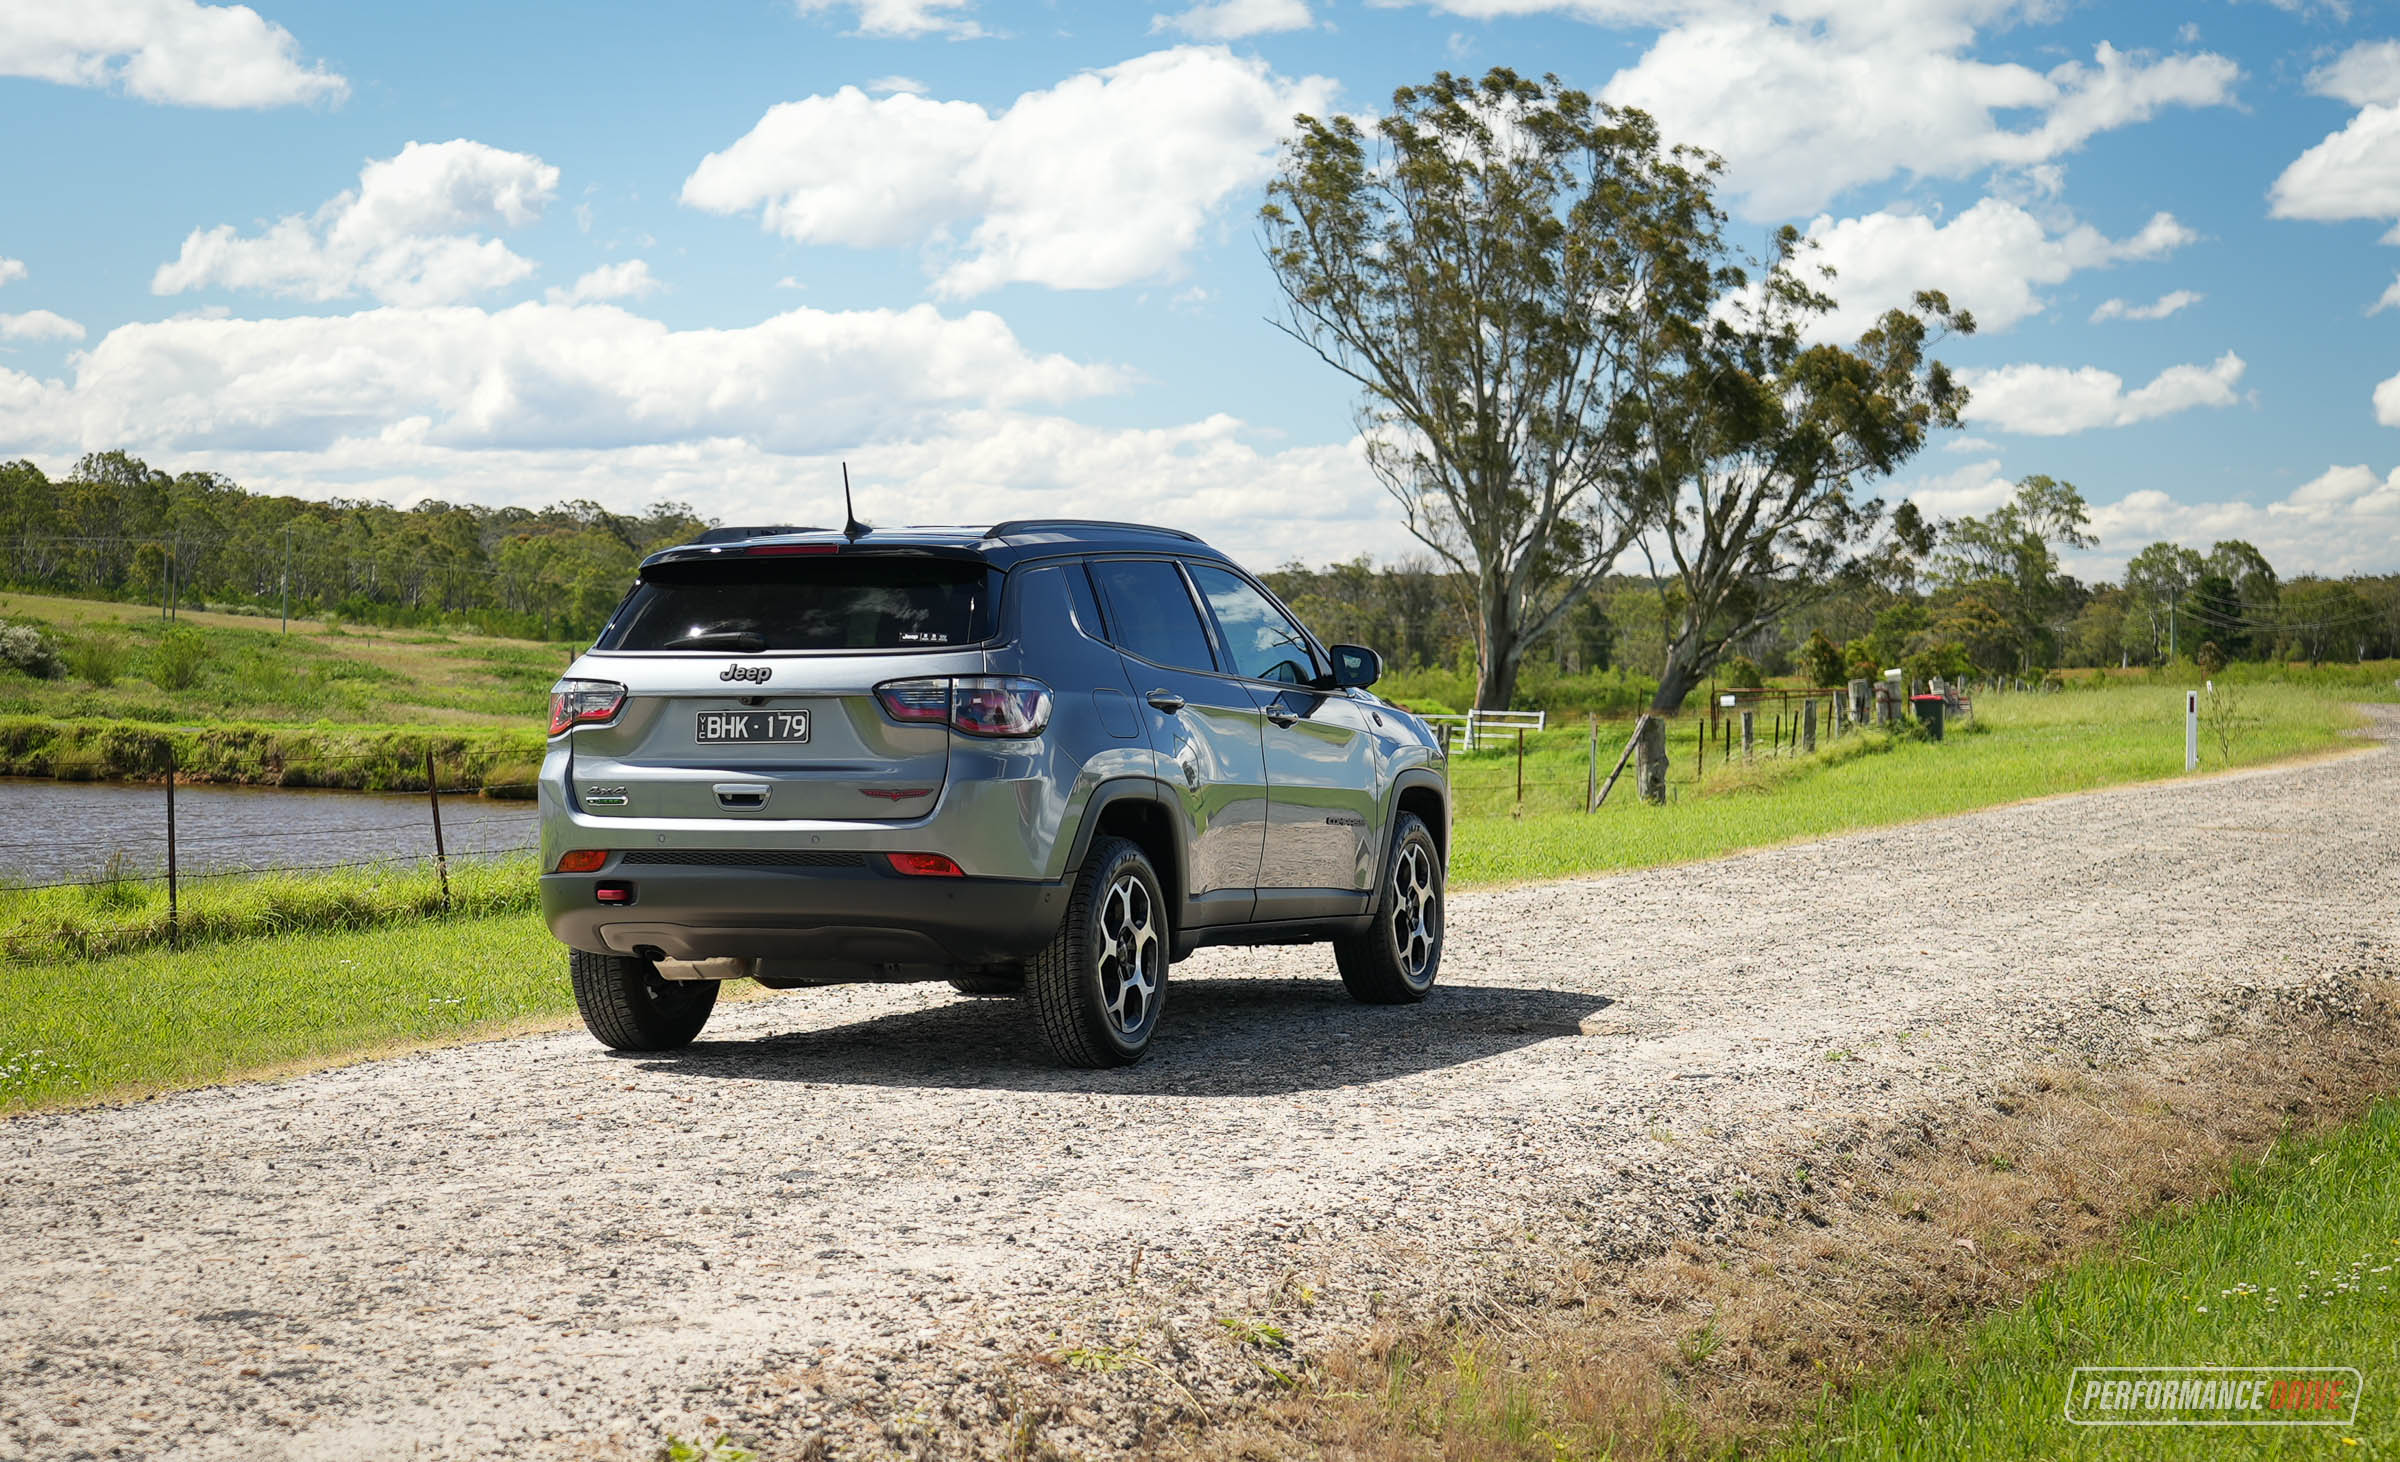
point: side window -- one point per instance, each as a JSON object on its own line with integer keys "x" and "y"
{"x": 1150, "y": 612}
{"x": 1264, "y": 644}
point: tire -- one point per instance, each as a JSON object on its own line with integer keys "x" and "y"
{"x": 1394, "y": 962}
{"x": 988, "y": 986}
{"x": 1097, "y": 989}
{"x": 627, "y": 1007}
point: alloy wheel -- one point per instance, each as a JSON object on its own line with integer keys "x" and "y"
{"x": 1131, "y": 956}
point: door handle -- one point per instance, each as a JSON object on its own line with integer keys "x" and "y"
{"x": 1281, "y": 717}
{"x": 1166, "y": 700}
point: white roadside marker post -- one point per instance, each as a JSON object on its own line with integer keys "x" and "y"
{"x": 2191, "y": 730}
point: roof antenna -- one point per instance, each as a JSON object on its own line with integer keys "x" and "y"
{"x": 852, "y": 529}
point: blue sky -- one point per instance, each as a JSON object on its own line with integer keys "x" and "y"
{"x": 1001, "y": 256}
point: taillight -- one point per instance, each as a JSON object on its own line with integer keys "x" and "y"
{"x": 924, "y": 865}
{"x": 582, "y": 702}
{"x": 582, "y": 860}
{"x": 915, "y": 700}
{"x": 978, "y": 705}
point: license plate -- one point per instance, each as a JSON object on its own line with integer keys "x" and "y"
{"x": 737, "y": 726}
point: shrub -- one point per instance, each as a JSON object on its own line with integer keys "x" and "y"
{"x": 1740, "y": 671}
{"x": 176, "y": 663}
{"x": 99, "y": 660}
{"x": 1823, "y": 660}
{"x": 25, "y": 648}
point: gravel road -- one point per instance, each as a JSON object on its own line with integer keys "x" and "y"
{"x": 862, "y": 1217}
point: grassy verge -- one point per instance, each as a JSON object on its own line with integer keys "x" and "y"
{"x": 54, "y": 925}
{"x": 2292, "y": 1265}
{"x": 2018, "y": 746}
{"x": 356, "y": 758}
{"x": 1927, "y": 1294}
{"x": 158, "y": 1019}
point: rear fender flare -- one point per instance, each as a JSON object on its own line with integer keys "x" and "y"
{"x": 1146, "y": 790}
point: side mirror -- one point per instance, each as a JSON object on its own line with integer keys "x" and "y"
{"x": 1354, "y": 667}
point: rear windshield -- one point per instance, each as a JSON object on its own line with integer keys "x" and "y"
{"x": 852, "y": 602}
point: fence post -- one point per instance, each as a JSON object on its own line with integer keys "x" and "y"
{"x": 1650, "y": 760}
{"x": 1808, "y": 726}
{"x": 1699, "y": 752}
{"x": 1520, "y": 766}
{"x": 441, "y": 855}
{"x": 1749, "y": 734}
{"x": 174, "y": 914}
{"x": 1591, "y": 766}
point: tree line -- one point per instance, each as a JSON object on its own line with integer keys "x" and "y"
{"x": 115, "y": 527}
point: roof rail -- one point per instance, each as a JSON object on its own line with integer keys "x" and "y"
{"x": 737, "y": 534}
{"x": 1015, "y": 526}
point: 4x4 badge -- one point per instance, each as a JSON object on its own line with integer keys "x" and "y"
{"x": 757, "y": 674}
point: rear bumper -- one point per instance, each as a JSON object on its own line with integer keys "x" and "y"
{"x": 865, "y": 915}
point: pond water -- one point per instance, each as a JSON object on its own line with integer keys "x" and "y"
{"x": 60, "y": 831}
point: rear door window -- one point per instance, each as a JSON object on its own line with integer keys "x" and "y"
{"x": 1151, "y": 614}
{"x": 861, "y": 601}
{"x": 1264, "y": 643}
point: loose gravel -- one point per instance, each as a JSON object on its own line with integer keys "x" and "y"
{"x": 868, "y": 1221}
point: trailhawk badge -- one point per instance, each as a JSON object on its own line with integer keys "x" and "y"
{"x": 755, "y": 674}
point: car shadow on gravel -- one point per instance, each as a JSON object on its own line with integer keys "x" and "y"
{"x": 1240, "y": 1037}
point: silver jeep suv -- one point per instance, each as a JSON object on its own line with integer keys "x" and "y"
{"x": 1047, "y": 758}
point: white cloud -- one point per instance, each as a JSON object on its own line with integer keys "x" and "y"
{"x": 2364, "y": 75}
{"x": 2353, "y": 173}
{"x": 2053, "y": 401}
{"x": 537, "y": 375}
{"x": 630, "y": 279}
{"x": 1989, "y": 259}
{"x": 1970, "y": 444}
{"x": 1805, "y": 101}
{"x": 888, "y": 85}
{"x": 2158, "y": 309}
{"x": 902, "y": 18}
{"x": 1977, "y": 487}
{"x": 1230, "y": 20}
{"x": 11, "y": 269}
{"x": 2387, "y": 402}
{"x": 39, "y": 325}
{"x": 175, "y": 51}
{"x": 1105, "y": 179}
{"x": 400, "y": 236}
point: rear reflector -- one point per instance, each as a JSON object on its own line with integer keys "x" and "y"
{"x": 583, "y": 860}
{"x": 924, "y": 865}
{"x": 613, "y": 893}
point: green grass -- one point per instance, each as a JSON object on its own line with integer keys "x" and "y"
{"x": 2019, "y": 746}
{"x": 124, "y": 663}
{"x": 157, "y": 1019}
{"x": 2297, "y": 1264}
{"x": 55, "y": 925}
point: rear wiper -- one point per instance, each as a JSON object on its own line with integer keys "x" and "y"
{"x": 746, "y": 641}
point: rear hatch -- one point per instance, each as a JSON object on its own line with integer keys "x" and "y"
{"x": 750, "y": 685}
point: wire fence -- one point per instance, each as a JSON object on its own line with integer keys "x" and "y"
{"x": 187, "y": 837}
{"x": 1517, "y": 772}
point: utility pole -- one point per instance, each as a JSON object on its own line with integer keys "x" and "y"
{"x": 287, "y": 578}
